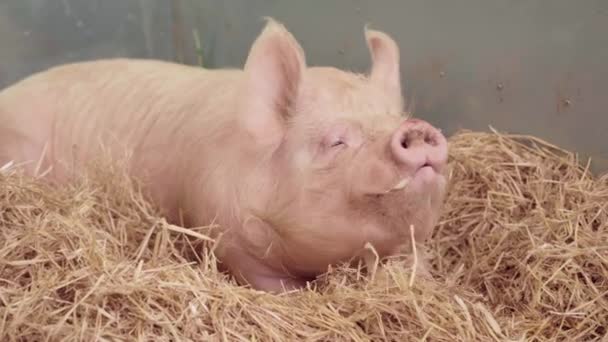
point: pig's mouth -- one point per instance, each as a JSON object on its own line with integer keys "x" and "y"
{"x": 398, "y": 183}
{"x": 426, "y": 171}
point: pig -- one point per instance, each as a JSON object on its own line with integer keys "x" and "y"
{"x": 301, "y": 167}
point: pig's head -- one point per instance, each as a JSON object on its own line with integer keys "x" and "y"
{"x": 339, "y": 164}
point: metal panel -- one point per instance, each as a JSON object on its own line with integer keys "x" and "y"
{"x": 36, "y": 34}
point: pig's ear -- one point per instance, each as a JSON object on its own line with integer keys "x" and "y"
{"x": 385, "y": 70}
{"x": 273, "y": 74}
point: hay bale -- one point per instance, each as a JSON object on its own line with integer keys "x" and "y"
{"x": 520, "y": 254}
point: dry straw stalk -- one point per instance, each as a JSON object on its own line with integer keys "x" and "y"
{"x": 521, "y": 254}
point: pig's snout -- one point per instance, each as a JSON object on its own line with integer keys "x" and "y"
{"x": 417, "y": 144}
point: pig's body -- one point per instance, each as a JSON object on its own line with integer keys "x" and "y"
{"x": 294, "y": 163}
{"x": 160, "y": 114}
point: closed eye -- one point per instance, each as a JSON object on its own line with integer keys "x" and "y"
{"x": 337, "y": 143}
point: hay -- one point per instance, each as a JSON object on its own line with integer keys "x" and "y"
{"x": 521, "y": 254}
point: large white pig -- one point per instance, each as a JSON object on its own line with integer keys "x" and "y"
{"x": 300, "y": 166}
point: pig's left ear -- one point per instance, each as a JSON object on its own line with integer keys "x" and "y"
{"x": 273, "y": 74}
{"x": 385, "y": 70}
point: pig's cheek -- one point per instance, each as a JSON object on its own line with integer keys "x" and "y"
{"x": 376, "y": 178}
{"x": 301, "y": 159}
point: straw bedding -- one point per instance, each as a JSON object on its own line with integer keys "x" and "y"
{"x": 521, "y": 254}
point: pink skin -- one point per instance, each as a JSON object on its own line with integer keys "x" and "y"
{"x": 300, "y": 166}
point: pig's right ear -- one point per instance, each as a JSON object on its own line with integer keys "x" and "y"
{"x": 385, "y": 70}
{"x": 273, "y": 74}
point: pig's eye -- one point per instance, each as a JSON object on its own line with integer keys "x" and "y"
{"x": 335, "y": 140}
{"x": 337, "y": 143}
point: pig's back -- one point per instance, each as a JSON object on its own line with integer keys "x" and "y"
{"x": 153, "y": 109}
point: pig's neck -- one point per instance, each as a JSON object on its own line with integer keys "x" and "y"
{"x": 225, "y": 181}
{"x": 236, "y": 182}
{"x": 258, "y": 273}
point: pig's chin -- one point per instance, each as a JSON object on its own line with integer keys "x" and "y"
{"x": 425, "y": 177}
{"x": 412, "y": 202}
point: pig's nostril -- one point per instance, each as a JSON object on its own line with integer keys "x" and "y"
{"x": 404, "y": 142}
{"x": 417, "y": 136}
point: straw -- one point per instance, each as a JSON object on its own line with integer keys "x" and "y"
{"x": 521, "y": 253}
